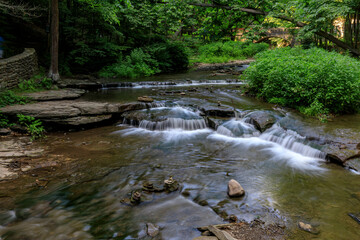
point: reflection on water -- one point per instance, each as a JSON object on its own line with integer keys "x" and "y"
{"x": 284, "y": 175}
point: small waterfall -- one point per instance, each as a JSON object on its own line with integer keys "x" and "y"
{"x": 291, "y": 140}
{"x": 174, "y": 123}
{"x": 237, "y": 128}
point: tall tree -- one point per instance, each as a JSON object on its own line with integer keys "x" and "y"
{"x": 54, "y": 66}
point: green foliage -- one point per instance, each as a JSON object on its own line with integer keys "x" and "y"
{"x": 4, "y": 121}
{"x": 170, "y": 56}
{"x": 36, "y": 83}
{"x": 150, "y": 60}
{"x": 136, "y": 64}
{"x": 33, "y": 126}
{"x": 219, "y": 52}
{"x": 10, "y": 98}
{"x": 314, "y": 81}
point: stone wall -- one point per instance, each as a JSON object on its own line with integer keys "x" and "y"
{"x": 16, "y": 68}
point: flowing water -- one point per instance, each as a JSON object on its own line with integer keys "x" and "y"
{"x": 284, "y": 174}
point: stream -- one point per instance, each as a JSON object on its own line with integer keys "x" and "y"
{"x": 285, "y": 175}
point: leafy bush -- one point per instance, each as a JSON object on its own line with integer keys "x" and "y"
{"x": 170, "y": 56}
{"x": 219, "y": 52}
{"x": 137, "y": 64}
{"x": 37, "y": 82}
{"x": 9, "y": 98}
{"x": 314, "y": 81}
{"x": 4, "y": 121}
{"x": 33, "y": 126}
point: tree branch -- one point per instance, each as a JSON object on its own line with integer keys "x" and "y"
{"x": 20, "y": 10}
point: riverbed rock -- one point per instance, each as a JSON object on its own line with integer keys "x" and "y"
{"x": 307, "y": 228}
{"x": 4, "y": 131}
{"x": 52, "y": 95}
{"x": 145, "y": 99}
{"x": 152, "y": 230}
{"x": 353, "y": 164}
{"x": 261, "y": 120}
{"x": 235, "y": 189}
{"x": 214, "y": 123}
{"x": 171, "y": 185}
{"x": 337, "y": 154}
{"x": 221, "y": 111}
{"x": 73, "y": 113}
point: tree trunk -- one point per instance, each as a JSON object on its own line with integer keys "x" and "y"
{"x": 54, "y": 66}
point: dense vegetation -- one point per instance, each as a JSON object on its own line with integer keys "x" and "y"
{"x": 314, "y": 81}
{"x": 220, "y": 52}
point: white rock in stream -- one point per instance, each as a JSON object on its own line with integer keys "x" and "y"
{"x": 235, "y": 189}
{"x": 152, "y": 230}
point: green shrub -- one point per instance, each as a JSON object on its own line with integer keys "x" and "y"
{"x": 37, "y": 82}
{"x": 9, "y": 98}
{"x": 137, "y": 64}
{"x": 4, "y": 121}
{"x": 33, "y": 126}
{"x": 219, "y": 52}
{"x": 170, "y": 56}
{"x": 314, "y": 81}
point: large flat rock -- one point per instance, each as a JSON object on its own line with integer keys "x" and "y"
{"x": 73, "y": 113}
{"x": 52, "y": 95}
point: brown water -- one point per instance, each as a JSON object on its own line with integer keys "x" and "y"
{"x": 283, "y": 185}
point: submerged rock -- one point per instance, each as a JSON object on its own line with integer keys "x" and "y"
{"x": 308, "y": 228}
{"x": 235, "y": 189}
{"x": 339, "y": 155}
{"x": 261, "y": 120}
{"x": 152, "y": 230}
{"x": 145, "y": 99}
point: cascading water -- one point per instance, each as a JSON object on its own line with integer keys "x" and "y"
{"x": 292, "y": 141}
{"x": 237, "y": 128}
{"x": 174, "y": 123}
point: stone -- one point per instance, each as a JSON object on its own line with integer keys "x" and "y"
{"x": 182, "y": 93}
{"x": 206, "y": 233}
{"x": 308, "y": 228}
{"x": 235, "y": 189}
{"x": 152, "y": 230}
{"x": 73, "y": 113}
{"x": 221, "y": 111}
{"x": 261, "y": 120}
{"x": 4, "y": 131}
{"x": 336, "y": 154}
{"x": 171, "y": 185}
{"x": 52, "y": 95}
{"x": 145, "y": 99}
{"x": 135, "y": 197}
{"x": 233, "y": 218}
{"x": 206, "y": 238}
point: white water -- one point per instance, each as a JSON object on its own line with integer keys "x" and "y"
{"x": 273, "y": 152}
{"x": 174, "y": 123}
{"x": 237, "y": 128}
{"x": 292, "y": 141}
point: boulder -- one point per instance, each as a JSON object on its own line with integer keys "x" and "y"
{"x": 336, "y": 153}
{"x": 213, "y": 122}
{"x": 235, "y": 189}
{"x": 261, "y": 120}
{"x": 220, "y": 111}
{"x": 52, "y": 95}
{"x": 353, "y": 164}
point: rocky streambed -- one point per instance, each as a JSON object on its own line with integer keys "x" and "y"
{"x": 199, "y": 131}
